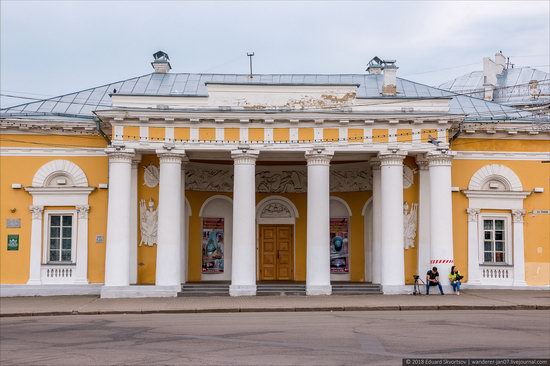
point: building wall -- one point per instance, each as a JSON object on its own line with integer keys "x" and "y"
{"x": 14, "y": 265}
{"x": 532, "y": 174}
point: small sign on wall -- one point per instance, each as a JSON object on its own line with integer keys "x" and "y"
{"x": 13, "y": 242}
{"x": 99, "y": 239}
{"x": 13, "y": 223}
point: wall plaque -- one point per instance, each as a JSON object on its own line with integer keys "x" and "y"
{"x": 13, "y": 241}
{"x": 13, "y": 223}
{"x": 99, "y": 239}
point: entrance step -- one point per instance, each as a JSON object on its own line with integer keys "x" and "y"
{"x": 355, "y": 288}
{"x": 281, "y": 289}
{"x": 204, "y": 289}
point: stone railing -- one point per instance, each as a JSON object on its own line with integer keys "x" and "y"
{"x": 496, "y": 275}
{"x": 53, "y": 274}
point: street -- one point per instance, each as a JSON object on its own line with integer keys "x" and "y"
{"x": 284, "y": 338}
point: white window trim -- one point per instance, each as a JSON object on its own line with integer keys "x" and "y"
{"x": 508, "y": 254}
{"x": 46, "y": 243}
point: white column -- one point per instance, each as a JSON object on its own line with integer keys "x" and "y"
{"x": 519, "y": 254}
{"x": 243, "y": 273}
{"x": 183, "y": 238}
{"x": 117, "y": 251}
{"x": 423, "y": 218}
{"x": 393, "y": 248}
{"x": 441, "y": 213}
{"x": 134, "y": 223}
{"x": 473, "y": 246}
{"x": 376, "y": 222}
{"x": 36, "y": 245}
{"x": 81, "y": 270}
{"x": 168, "y": 272}
{"x": 318, "y": 222}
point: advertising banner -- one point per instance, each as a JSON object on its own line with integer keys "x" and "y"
{"x": 212, "y": 245}
{"x": 339, "y": 245}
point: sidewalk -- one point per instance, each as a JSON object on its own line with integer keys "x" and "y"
{"x": 85, "y": 305}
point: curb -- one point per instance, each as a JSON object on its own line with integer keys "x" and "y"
{"x": 286, "y": 309}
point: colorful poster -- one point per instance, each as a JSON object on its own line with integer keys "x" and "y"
{"x": 212, "y": 245}
{"x": 339, "y": 246}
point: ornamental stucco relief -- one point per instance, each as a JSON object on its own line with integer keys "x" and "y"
{"x": 151, "y": 176}
{"x": 275, "y": 209}
{"x": 148, "y": 223}
{"x": 410, "y": 219}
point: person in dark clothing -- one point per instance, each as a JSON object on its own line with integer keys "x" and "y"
{"x": 432, "y": 279}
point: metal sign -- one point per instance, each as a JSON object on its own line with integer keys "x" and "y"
{"x": 13, "y": 242}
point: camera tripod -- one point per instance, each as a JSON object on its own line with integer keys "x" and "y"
{"x": 416, "y": 287}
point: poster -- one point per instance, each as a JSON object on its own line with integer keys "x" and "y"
{"x": 13, "y": 242}
{"x": 212, "y": 245}
{"x": 339, "y": 245}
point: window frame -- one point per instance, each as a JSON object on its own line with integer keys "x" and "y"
{"x": 508, "y": 253}
{"x": 46, "y": 244}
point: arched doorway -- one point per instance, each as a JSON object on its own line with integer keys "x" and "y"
{"x": 276, "y": 218}
{"x": 340, "y": 240}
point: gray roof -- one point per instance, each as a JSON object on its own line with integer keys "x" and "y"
{"x": 82, "y": 104}
{"x": 512, "y": 86}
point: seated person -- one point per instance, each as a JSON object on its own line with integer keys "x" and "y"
{"x": 432, "y": 279}
{"x": 455, "y": 279}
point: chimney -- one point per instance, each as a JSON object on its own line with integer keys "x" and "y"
{"x": 500, "y": 60}
{"x": 161, "y": 64}
{"x": 375, "y": 66}
{"x": 390, "y": 78}
{"x": 490, "y": 69}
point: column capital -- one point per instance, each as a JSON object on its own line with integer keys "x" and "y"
{"x": 422, "y": 162}
{"x": 374, "y": 164}
{"x": 319, "y": 157}
{"x": 245, "y": 156}
{"x": 120, "y": 155}
{"x": 391, "y": 158}
{"x": 473, "y": 214}
{"x": 82, "y": 211}
{"x": 171, "y": 156}
{"x": 36, "y": 212}
{"x": 518, "y": 215}
{"x": 440, "y": 158}
{"x": 136, "y": 160}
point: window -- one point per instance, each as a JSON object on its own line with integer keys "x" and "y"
{"x": 494, "y": 240}
{"x": 60, "y": 238}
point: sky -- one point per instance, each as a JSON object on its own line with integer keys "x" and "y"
{"x": 49, "y": 48}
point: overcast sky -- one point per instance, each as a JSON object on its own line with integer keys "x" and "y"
{"x": 50, "y": 48}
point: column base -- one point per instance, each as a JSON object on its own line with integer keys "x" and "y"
{"x": 242, "y": 290}
{"x": 400, "y": 289}
{"x": 315, "y": 290}
{"x": 519, "y": 283}
{"x": 119, "y": 292}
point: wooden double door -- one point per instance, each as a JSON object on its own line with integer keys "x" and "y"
{"x": 276, "y": 252}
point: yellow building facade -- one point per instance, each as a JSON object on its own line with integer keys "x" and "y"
{"x": 137, "y": 187}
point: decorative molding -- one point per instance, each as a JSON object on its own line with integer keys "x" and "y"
{"x": 497, "y": 172}
{"x": 151, "y": 175}
{"x": 36, "y": 212}
{"x": 208, "y": 178}
{"x": 388, "y": 158}
{"x": 171, "y": 156}
{"x": 348, "y": 179}
{"x": 53, "y": 151}
{"x": 285, "y": 181}
{"x": 473, "y": 214}
{"x": 120, "y": 155}
{"x": 319, "y": 157}
{"x": 410, "y": 220}
{"x": 82, "y": 211}
{"x": 148, "y": 217}
{"x": 501, "y": 155}
{"x": 439, "y": 158}
{"x": 275, "y": 210}
{"x": 245, "y": 156}
{"x": 64, "y": 168}
{"x": 517, "y": 215}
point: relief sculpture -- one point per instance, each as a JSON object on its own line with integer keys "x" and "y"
{"x": 410, "y": 219}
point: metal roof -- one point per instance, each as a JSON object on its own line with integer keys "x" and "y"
{"x": 512, "y": 86}
{"x": 81, "y": 104}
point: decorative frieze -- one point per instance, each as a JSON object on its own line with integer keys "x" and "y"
{"x": 275, "y": 210}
